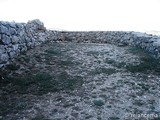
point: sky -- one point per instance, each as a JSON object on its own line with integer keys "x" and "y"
{"x": 86, "y": 15}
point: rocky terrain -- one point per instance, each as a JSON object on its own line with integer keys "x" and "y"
{"x": 65, "y": 75}
{"x": 78, "y": 81}
{"x": 16, "y": 38}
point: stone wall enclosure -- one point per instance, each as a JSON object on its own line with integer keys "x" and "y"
{"x": 16, "y": 38}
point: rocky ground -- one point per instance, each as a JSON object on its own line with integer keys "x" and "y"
{"x": 77, "y": 81}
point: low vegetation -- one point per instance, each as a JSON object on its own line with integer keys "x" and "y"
{"x": 42, "y": 83}
{"x": 147, "y": 64}
{"x": 74, "y": 78}
{"x": 38, "y": 84}
{"x": 100, "y": 70}
{"x": 98, "y": 102}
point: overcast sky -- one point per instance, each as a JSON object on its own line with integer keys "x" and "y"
{"x": 134, "y": 15}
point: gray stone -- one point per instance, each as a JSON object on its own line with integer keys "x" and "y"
{"x": 41, "y": 39}
{"x": 36, "y": 25}
{"x": 4, "y": 30}
{"x": 33, "y": 40}
{"x": 7, "y": 24}
{"x": 4, "y": 58}
{"x": 13, "y": 24}
{"x": 17, "y": 52}
{"x": 21, "y": 33}
{"x": 15, "y": 39}
{"x": 28, "y": 39}
{"x": 19, "y": 25}
{"x": 32, "y": 45}
{"x": 12, "y": 31}
{"x": 12, "y": 54}
{"x": 23, "y": 48}
{"x": 22, "y": 39}
{"x": 9, "y": 49}
{"x": 37, "y": 43}
{"x": 6, "y": 39}
{"x": 29, "y": 44}
{"x": 15, "y": 47}
{"x": 157, "y": 42}
{"x": 2, "y": 49}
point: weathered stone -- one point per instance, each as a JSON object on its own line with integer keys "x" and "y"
{"x": 4, "y": 30}
{"x": 12, "y": 54}
{"x": 7, "y": 24}
{"x": 157, "y": 43}
{"x": 41, "y": 39}
{"x": 12, "y": 31}
{"x": 28, "y": 39}
{"x": 15, "y": 47}
{"x": 21, "y": 33}
{"x": 23, "y": 48}
{"x": 21, "y": 39}
{"x": 36, "y": 25}
{"x": 4, "y": 58}
{"x": 9, "y": 49}
{"x": 12, "y": 24}
{"x": 20, "y": 26}
{"x": 2, "y": 49}
{"x": 17, "y": 52}
{"x": 15, "y": 39}
{"x": 37, "y": 43}
{"x": 6, "y": 39}
{"x": 29, "y": 44}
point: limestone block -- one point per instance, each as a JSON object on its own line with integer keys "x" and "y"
{"x": 12, "y": 54}
{"x": 36, "y": 25}
{"x": 15, "y": 39}
{"x": 12, "y": 24}
{"x": 29, "y": 44}
{"x": 2, "y": 49}
{"x": 4, "y": 30}
{"x": 9, "y": 49}
{"x": 6, "y": 39}
{"x": 157, "y": 42}
{"x": 4, "y": 58}
{"x": 23, "y": 48}
{"x": 12, "y": 31}
{"x": 15, "y": 47}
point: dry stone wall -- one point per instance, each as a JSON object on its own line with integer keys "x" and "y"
{"x": 148, "y": 42}
{"x": 16, "y": 38}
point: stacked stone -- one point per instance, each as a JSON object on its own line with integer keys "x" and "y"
{"x": 145, "y": 41}
{"x": 8, "y": 41}
{"x": 16, "y": 38}
{"x": 97, "y": 36}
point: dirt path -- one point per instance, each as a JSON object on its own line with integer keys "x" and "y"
{"x": 69, "y": 81}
